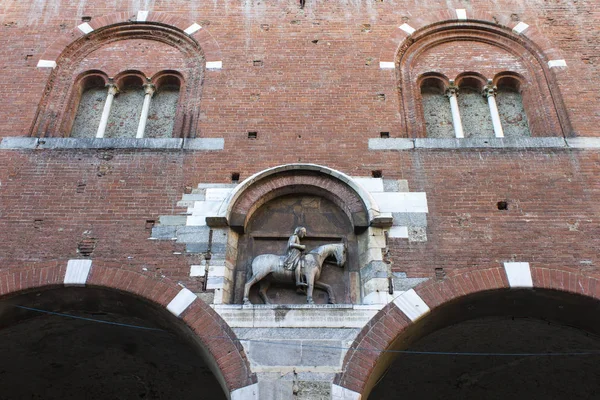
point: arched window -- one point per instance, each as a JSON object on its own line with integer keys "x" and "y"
{"x": 511, "y": 106}
{"x": 159, "y": 99}
{"x": 436, "y": 108}
{"x": 124, "y": 116}
{"x": 474, "y": 110}
{"x": 525, "y": 100}
{"x": 161, "y": 117}
{"x": 91, "y": 90}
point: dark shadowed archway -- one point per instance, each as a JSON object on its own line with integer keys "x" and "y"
{"x": 115, "y": 345}
{"x": 187, "y": 341}
{"x": 440, "y": 369}
{"x": 482, "y": 311}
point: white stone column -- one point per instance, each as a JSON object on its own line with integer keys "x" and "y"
{"x": 149, "y": 90}
{"x": 112, "y": 90}
{"x": 452, "y": 93}
{"x": 489, "y": 91}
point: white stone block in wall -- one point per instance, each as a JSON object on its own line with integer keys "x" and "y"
{"x": 85, "y": 28}
{"x": 370, "y": 184}
{"x": 401, "y": 202}
{"x": 193, "y": 28}
{"x": 214, "y": 65}
{"x": 46, "y": 64}
{"x": 376, "y": 241}
{"x": 218, "y": 297}
{"x": 246, "y": 393}
{"x": 518, "y": 274}
{"x": 77, "y": 272}
{"x": 557, "y": 63}
{"x": 206, "y": 208}
{"x": 196, "y": 220}
{"x": 181, "y": 301}
{"x": 407, "y": 28}
{"x": 142, "y": 16}
{"x": 520, "y": 27}
{"x": 376, "y": 298}
{"x": 220, "y": 271}
{"x": 416, "y": 202}
{"x": 217, "y": 194}
{"x": 197, "y": 270}
{"x": 387, "y": 64}
{"x": 371, "y": 254}
{"x": 341, "y": 393}
{"x": 412, "y": 305}
{"x": 398, "y": 232}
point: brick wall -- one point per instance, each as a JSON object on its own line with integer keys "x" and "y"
{"x": 333, "y": 82}
{"x": 315, "y": 94}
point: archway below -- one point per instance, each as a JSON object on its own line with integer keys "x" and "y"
{"x": 116, "y": 346}
{"x": 500, "y": 321}
{"x": 494, "y": 376}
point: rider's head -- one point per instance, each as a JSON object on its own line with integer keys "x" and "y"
{"x": 300, "y": 231}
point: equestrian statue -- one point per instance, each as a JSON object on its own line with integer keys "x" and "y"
{"x": 303, "y": 269}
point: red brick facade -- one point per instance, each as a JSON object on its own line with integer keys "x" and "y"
{"x": 309, "y": 83}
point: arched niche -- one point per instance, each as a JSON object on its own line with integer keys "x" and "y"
{"x": 145, "y": 47}
{"x": 453, "y": 47}
{"x": 347, "y": 213}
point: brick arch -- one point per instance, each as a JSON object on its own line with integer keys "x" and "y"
{"x": 210, "y": 329}
{"x": 548, "y": 115}
{"x": 363, "y": 368}
{"x": 402, "y": 36}
{"x": 202, "y": 36}
{"x": 294, "y": 178}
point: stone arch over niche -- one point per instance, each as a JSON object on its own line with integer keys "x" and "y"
{"x": 410, "y": 46}
{"x": 307, "y": 187}
{"x": 563, "y": 295}
{"x": 213, "y": 337}
{"x": 178, "y": 49}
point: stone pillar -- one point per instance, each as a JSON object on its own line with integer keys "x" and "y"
{"x": 149, "y": 90}
{"x": 112, "y": 91}
{"x": 452, "y": 93}
{"x": 489, "y": 91}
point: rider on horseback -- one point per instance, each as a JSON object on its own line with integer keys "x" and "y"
{"x": 293, "y": 259}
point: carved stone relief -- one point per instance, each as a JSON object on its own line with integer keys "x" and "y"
{"x": 269, "y": 231}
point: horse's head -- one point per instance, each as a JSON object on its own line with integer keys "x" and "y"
{"x": 340, "y": 254}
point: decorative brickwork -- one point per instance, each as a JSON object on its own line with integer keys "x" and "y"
{"x": 108, "y": 48}
{"x": 440, "y": 49}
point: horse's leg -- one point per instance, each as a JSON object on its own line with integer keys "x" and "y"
{"x": 247, "y": 287}
{"x": 262, "y": 292}
{"x": 310, "y": 279}
{"x": 324, "y": 286}
{"x": 255, "y": 278}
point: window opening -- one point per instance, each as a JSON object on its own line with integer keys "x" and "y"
{"x": 91, "y": 103}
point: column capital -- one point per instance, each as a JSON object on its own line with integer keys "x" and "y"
{"x": 452, "y": 90}
{"x": 149, "y": 88}
{"x": 489, "y": 90}
{"x": 112, "y": 88}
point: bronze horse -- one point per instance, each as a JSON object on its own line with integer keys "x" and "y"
{"x": 272, "y": 264}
